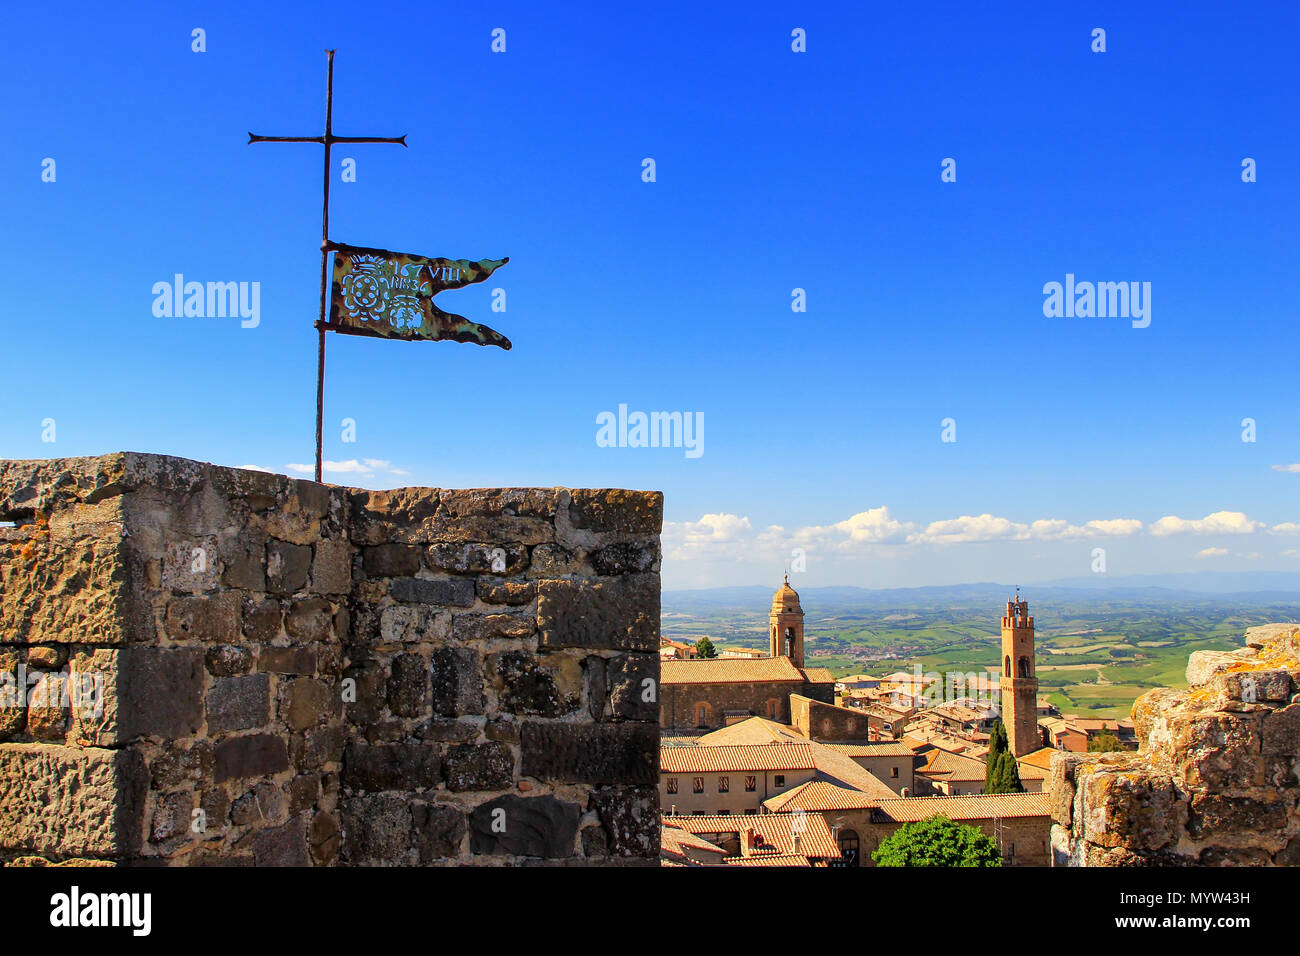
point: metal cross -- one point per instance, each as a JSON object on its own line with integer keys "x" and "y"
{"x": 327, "y": 140}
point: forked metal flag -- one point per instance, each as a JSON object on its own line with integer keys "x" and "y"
{"x": 390, "y": 295}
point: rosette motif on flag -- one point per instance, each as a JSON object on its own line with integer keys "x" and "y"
{"x": 390, "y": 295}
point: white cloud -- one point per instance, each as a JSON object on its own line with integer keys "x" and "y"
{"x": 732, "y": 537}
{"x": 968, "y": 528}
{"x": 1286, "y": 527}
{"x": 714, "y": 535}
{"x": 255, "y": 468}
{"x": 1055, "y": 529}
{"x": 1221, "y": 522}
{"x": 1212, "y": 553}
{"x": 874, "y": 526}
{"x": 364, "y": 468}
{"x": 1292, "y": 468}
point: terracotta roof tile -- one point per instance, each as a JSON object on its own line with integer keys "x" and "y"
{"x": 736, "y": 758}
{"x": 730, "y": 670}
{"x": 819, "y": 795}
{"x": 777, "y": 830}
{"x": 971, "y": 807}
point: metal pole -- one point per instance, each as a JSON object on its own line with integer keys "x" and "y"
{"x": 324, "y": 259}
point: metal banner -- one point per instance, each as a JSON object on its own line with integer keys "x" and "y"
{"x": 390, "y": 295}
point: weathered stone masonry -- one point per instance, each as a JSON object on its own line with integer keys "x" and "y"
{"x": 305, "y": 674}
{"x": 1217, "y": 779}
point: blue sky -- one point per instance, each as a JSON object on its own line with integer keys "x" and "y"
{"x": 775, "y": 170}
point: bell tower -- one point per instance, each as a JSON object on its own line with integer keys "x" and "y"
{"x": 785, "y": 625}
{"x": 1019, "y": 681}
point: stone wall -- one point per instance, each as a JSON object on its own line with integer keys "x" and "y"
{"x": 284, "y": 672}
{"x": 819, "y": 719}
{"x": 1216, "y": 780}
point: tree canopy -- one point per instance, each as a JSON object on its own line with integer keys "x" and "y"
{"x": 704, "y": 647}
{"x": 1001, "y": 772}
{"x": 937, "y": 841}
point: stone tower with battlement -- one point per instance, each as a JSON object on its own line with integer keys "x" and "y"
{"x": 786, "y": 625}
{"x": 1019, "y": 682}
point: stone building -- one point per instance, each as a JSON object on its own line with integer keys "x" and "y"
{"x": 1019, "y": 822}
{"x": 707, "y": 694}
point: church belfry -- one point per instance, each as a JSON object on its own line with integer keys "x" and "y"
{"x": 1019, "y": 680}
{"x": 786, "y": 625}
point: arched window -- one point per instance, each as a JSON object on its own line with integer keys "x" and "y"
{"x": 702, "y": 715}
{"x": 1025, "y": 667}
{"x": 850, "y": 846}
{"x": 1006, "y": 667}
{"x": 773, "y": 708}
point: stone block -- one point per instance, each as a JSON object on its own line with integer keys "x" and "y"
{"x": 456, "y": 682}
{"x": 255, "y": 755}
{"x": 634, "y": 687}
{"x": 238, "y": 703}
{"x": 408, "y": 686}
{"x": 287, "y": 566}
{"x": 457, "y": 592}
{"x": 506, "y": 592}
{"x": 211, "y": 619}
{"x": 479, "y": 767}
{"x": 474, "y": 558}
{"x": 627, "y": 557}
{"x": 287, "y": 660}
{"x": 406, "y": 766}
{"x": 71, "y": 801}
{"x": 391, "y": 560}
{"x": 439, "y": 832}
{"x": 484, "y": 627}
{"x": 612, "y": 613}
{"x": 524, "y": 826}
{"x": 616, "y": 510}
{"x": 331, "y": 567}
{"x": 408, "y": 624}
{"x": 605, "y": 754}
{"x": 282, "y": 846}
{"x": 225, "y": 660}
{"x": 377, "y": 829}
{"x": 629, "y": 817}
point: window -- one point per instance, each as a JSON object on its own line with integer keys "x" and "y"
{"x": 702, "y": 715}
{"x": 697, "y": 813}
{"x": 697, "y": 785}
{"x": 893, "y": 773}
{"x": 751, "y": 784}
{"x": 672, "y": 784}
{"x": 850, "y": 846}
{"x": 780, "y": 780}
{"x": 1006, "y": 667}
{"x": 724, "y": 813}
{"x": 751, "y": 812}
{"x": 724, "y": 785}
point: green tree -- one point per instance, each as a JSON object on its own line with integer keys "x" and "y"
{"x": 1104, "y": 743}
{"x": 937, "y": 841}
{"x": 1001, "y": 772}
{"x": 1003, "y": 776}
{"x": 704, "y": 647}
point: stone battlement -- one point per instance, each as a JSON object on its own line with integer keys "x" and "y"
{"x": 306, "y": 674}
{"x": 1216, "y": 780}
